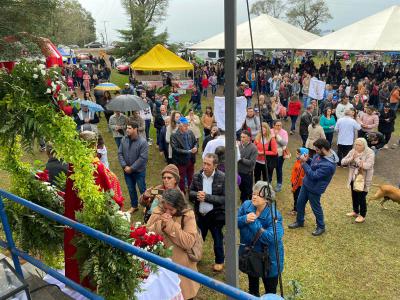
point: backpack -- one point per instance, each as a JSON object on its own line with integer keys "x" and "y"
{"x": 196, "y": 252}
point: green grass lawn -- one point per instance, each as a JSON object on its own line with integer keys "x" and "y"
{"x": 351, "y": 261}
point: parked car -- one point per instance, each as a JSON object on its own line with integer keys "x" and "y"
{"x": 123, "y": 68}
{"x": 94, "y": 45}
{"x": 73, "y": 46}
{"x": 81, "y": 56}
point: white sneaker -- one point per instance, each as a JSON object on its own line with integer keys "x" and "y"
{"x": 386, "y": 147}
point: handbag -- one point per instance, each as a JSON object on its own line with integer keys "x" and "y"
{"x": 286, "y": 153}
{"x": 196, "y": 252}
{"x": 359, "y": 181}
{"x": 253, "y": 263}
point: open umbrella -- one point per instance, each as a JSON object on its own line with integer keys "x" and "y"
{"x": 107, "y": 86}
{"x": 126, "y": 103}
{"x": 86, "y": 62}
{"x": 93, "y": 107}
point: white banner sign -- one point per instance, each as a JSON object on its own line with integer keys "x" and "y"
{"x": 219, "y": 111}
{"x": 317, "y": 89}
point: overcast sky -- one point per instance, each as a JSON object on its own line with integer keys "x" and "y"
{"x": 195, "y": 20}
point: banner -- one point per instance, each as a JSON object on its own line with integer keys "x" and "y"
{"x": 183, "y": 84}
{"x": 219, "y": 111}
{"x": 153, "y": 84}
{"x": 317, "y": 89}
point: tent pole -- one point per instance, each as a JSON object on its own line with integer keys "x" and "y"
{"x": 230, "y": 144}
{"x": 292, "y": 61}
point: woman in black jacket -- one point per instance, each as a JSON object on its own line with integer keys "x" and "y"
{"x": 386, "y": 123}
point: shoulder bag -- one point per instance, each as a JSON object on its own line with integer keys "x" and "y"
{"x": 196, "y": 252}
{"x": 253, "y": 263}
{"x": 359, "y": 181}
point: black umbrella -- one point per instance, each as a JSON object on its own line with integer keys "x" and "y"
{"x": 126, "y": 103}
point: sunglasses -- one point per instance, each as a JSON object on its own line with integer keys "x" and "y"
{"x": 168, "y": 177}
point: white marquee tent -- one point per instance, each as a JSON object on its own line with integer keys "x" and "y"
{"x": 268, "y": 33}
{"x": 379, "y": 32}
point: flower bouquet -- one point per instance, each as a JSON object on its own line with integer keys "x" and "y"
{"x": 151, "y": 242}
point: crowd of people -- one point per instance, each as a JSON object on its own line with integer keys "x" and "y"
{"x": 356, "y": 117}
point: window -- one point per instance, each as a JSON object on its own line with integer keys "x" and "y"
{"x": 212, "y": 54}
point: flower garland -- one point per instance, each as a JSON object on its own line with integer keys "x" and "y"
{"x": 29, "y": 102}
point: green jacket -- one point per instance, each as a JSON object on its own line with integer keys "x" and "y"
{"x": 328, "y": 125}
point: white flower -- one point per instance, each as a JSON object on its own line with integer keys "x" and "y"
{"x": 35, "y": 76}
{"x": 48, "y": 91}
{"x": 42, "y": 66}
{"x": 53, "y": 85}
{"x": 151, "y": 233}
{"x": 35, "y": 69}
{"x": 43, "y": 72}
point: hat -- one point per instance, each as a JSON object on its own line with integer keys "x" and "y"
{"x": 126, "y": 84}
{"x": 183, "y": 120}
{"x": 172, "y": 169}
{"x": 243, "y": 83}
{"x": 304, "y": 151}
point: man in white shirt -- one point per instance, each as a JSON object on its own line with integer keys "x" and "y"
{"x": 342, "y": 107}
{"x": 207, "y": 192}
{"x": 215, "y": 143}
{"x": 346, "y": 128}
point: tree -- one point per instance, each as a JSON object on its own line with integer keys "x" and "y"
{"x": 270, "y": 7}
{"x": 308, "y": 14}
{"x": 141, "y": 35}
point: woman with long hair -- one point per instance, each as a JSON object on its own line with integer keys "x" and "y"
{"x": 282, "y": 140}
{"x": 208, "y": 120}
{"x": 176, "y": 222}
{"x": 269, "y": 156}
{"x": 328, "y": 123}
{"x": 361, "y": 160}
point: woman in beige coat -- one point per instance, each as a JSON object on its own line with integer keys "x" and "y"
{"x": 360, "y": 159}
{"x": 194, "y": 123}
{"x": 315, "y": 132}
{"x": 166, "y": 220}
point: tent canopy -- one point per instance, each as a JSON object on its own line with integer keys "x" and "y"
{"x": 268, "y": 33}
{"x": 378, "y": 32}
{"x": 160, "y": 58}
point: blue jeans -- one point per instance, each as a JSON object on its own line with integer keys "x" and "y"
{"x": 147, "y": 128}
{"x": 316, "y": 207}
{"x": 133, "y": 179}
{"x": 394, "y": 107}
{"x": 118, "y": 141}
{"x": 306, "y": 101}
{"x": 205, "y": 92}
{"x": 329, "y": 137}
{"x": 293, "y": 119}
{"x": 213, "y": 89}
{"x": 279, "y": 171}
{"x": 206, "y": 223}
{"x": 248, "y": 101}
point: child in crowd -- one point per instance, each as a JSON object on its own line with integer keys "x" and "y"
{"x": 297, "y": 177}
{"x": 102, "y": 151}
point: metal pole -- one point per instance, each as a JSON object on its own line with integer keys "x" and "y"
{"x": 9, "y": 238}
{"x": 230, "y": 144}
{"x": 292, "y": 60}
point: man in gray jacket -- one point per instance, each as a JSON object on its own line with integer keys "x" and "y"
{"x": 133, "y": 154}
{"x": 246, "y": 164}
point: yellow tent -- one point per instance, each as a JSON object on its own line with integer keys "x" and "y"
{"x": 160, "y": 58}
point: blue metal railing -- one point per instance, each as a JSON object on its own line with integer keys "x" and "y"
{"x": 165, "y": 263}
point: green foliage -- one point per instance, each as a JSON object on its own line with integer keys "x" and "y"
{"x": 62, "y": 21}
{"x": 28, "y": 103}
{"x": 295, "y": 290}
{"x": 164, "y": 90}
{"x": 141, "y": 37}
{"x": 33, "y": 232}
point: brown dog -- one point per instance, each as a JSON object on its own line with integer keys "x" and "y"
{"x": 387, "y": 192}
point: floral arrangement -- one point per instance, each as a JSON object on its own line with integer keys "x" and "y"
{"x": 30, "y": 99}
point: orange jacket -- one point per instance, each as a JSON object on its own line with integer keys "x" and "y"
{"x": 395, "y": 96}
{"x": 272, "y": 152}
{"x": 297, "y": 175}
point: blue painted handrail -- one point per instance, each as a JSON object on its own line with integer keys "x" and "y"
{"x": 165, "y": 263}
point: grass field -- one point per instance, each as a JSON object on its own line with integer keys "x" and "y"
{"x": 351, "y": 261}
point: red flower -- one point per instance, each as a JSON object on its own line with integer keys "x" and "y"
{"x": 43, "y": 176}
{"x": 138, "y": 232}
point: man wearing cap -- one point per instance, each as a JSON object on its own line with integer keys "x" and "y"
{"x": 184, "y": 148}
{"x": 240, "y": 90}
{"x": 127, "y": 90}
{"x": 133, "y": 154}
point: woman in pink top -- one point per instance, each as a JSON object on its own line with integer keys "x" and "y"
{"x": 282, "y": 139}
{"x": 369, "y": 121}
{"x": 86, "y": 81}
